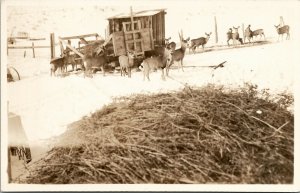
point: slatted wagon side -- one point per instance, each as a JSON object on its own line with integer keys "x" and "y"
{"x": 137, "y": 31}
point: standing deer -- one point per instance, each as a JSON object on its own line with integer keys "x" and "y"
{"x": 157, "y": 62}
{"x": 259, "y": 32}
{"x": 57, "y": 63}
{"x": 170, "y": 45}
{"x": 178, "y": 54}
{"x": 95, "y": 61}
{"x": 249, "y": 34}
{"x": 283, "y": 30}
{"x": 234, "y": 35}
{"x": 199, "y": 42}
{"x": 126, "y": 63}
{"x": 69, "y": 59}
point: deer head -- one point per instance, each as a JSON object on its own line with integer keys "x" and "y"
{"x": 130, "y": 54}
{"x": 236, "y": 28}
{"x": 208, "y": 35}
{"x": 277, "y": 26}
{"x": 100, "y": 50}
{"x": 167, "y": 40}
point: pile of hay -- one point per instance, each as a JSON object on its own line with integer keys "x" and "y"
{"x": 206, "y": 135}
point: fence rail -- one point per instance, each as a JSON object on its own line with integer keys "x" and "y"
{"x": 32, "y": 47}
{"x": 27, "y": 47}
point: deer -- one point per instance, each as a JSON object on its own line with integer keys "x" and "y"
{"x": 126, "y": 63}
{"x": 248, "y": 34}
{"x": 199, "y": 41}
{"x": 69, "y": 59}
{"x": 259, "y": 32}
{"x": 95, "y": 61}
{"x": 157, "y": 62}
{"x": 178, "y": 54}
{"x": 57, "y": 63}
{"x": 283, "y": 30}
{"x": 234, "y": 35}
{"x": 170, "y": 45}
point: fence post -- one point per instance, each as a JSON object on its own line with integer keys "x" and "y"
{"x": 33, "y": 53}
{"x": 24, "y": 53}
{"x": 281, "y": 21}
{"x": 216, "y": 29}
{"x": 52, "y": 45}
{"x": 243, "y": 30}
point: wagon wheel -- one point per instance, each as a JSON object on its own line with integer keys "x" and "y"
{"x": 12, "y": 74}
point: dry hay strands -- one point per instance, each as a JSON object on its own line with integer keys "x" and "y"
{"x": 197, "y": 135}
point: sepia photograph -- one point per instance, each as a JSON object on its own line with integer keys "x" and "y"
{"x": 149, "y": 95}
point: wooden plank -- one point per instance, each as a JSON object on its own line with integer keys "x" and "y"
{"x": 36, "y": 39}
{"x": 119, "y": 43}
{"x": 243, "y": 31}
{"x": 147, "y": 39}
{"x": 26, "y": 47}
{"x": 216, "y": 30}
{"x": 131, "y": 18}
{"x": 78, "y": 37}
{"x": 83, "y": 41}
{"x": 108, "y": 39}
{"x": 69, "y": 46}
{"x": 163, "y": 28}
{"x": 52, "y": 45}
{"x": 154, "y": 28}
{"x": 136, "y": 40}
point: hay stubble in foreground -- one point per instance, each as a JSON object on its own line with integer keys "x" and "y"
{"x": 206, "y": 135}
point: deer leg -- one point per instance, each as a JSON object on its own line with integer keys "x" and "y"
{"x": 162, "y": 74}
{"x": 181, "y": 64}
{"x": 129, "y": 72}
{"x": 102, "y": 68}
{"x": 167, "y": 70}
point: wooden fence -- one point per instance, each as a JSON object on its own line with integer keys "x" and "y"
{"x": 33, "y": 47}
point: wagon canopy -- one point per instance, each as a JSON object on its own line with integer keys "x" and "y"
{"x": 137, "y": 14}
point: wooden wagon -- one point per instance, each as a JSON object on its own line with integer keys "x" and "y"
{"x": 142, "y": 32}
{"x": 139, "y": 32}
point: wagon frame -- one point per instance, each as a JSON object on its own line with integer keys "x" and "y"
{"x": 138, "y": 32}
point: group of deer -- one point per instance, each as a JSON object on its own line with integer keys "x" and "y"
{"x": 64, "y": 61}
{"x": 194, "y": 43}
{"x": 163, "y": 61}
{"x": 249, "y": 34}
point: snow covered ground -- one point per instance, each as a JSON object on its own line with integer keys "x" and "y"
{"x": 48, "y": 104}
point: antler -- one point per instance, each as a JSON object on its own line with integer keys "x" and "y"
{"x": 179, "y": 36}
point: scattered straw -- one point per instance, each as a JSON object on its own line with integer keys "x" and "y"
{"x": 205, "y": 135}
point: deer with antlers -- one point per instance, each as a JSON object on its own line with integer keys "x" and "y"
{"x": 178, "y": 54}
